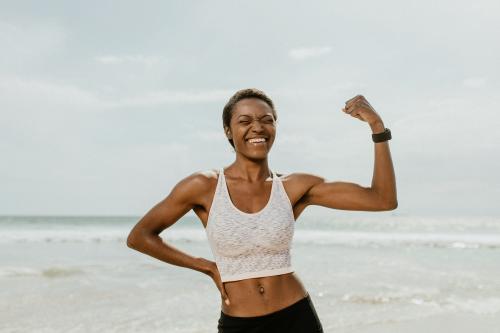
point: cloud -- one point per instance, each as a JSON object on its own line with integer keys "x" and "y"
{"x": 211, "y": 135}
{"x": 130, "y": 59}
{"x": 29, "y": 44}
{"x": 317, "y": 91}
{"x": 474, "y": 82}
{"x": 37, "y": 96}
{"x": 446, "y": 122}
{"x": 311, "y": 52}
{"x": 18, "y": 94}
{"x": 307, "y": 145}
{"x": 167, "y": 96}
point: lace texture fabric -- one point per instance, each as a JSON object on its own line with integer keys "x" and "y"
{"x": 250, "y": 245}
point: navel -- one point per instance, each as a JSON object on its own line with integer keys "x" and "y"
{"x": 261, "y": 289}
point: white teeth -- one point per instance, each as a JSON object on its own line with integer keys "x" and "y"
{"x": 257, "y": 140}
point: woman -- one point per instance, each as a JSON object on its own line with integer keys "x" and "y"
{"x": 249, "y": 214}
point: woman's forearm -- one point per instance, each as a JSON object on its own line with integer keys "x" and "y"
{"x": 154, "y": 246}
{"x": 384, "y": 180}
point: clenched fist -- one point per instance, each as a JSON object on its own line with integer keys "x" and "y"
{"x": 358, "y": 107}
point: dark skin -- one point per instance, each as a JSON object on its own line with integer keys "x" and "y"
{"x": 249, "y": 184}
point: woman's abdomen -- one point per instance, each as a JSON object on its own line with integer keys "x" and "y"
{"x": 263, "y": 295}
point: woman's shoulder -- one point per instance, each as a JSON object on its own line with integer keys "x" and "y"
{"x": 199, "y": 181}
{"x": 297, "y": 176}
{"x": 300, "y": 180}
{"x": 208, "y": 173}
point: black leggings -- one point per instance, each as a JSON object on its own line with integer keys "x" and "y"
{"x": 300, "y": 317}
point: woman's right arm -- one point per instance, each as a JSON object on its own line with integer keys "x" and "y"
{"x": 144, "y": 236}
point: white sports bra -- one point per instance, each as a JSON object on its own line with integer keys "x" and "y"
{"x": 250, "y": 245}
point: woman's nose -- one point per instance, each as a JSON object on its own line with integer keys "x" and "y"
{"x": 257, "y": 125}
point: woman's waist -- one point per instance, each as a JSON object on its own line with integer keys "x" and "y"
{"x": 262, "y": 295}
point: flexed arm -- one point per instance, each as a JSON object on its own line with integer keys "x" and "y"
{"x": 383, "y": 180}
{"x": 350, "y": 196}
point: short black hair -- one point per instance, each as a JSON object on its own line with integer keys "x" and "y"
{"x": 227, "y": 113}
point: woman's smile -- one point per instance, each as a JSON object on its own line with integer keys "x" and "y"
{"x": 257, "y": 143}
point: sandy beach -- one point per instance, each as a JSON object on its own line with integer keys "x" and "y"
{"x": 439, "y": 323}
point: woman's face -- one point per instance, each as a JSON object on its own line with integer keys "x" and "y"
{"x": 252, "y": 118}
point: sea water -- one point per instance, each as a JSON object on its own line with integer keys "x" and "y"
{"x": 76, "y": 274}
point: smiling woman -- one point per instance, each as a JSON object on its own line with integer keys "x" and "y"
{"x": 249, "y": 101}
{"x": 249, "y": 214}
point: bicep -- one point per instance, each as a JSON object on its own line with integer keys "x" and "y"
{"x": 342, "y": 195}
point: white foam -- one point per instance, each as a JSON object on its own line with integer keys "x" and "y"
{"x": 50, "y": 272}
{"x": 397, "y": 239}
{"x": 327, "y": 237}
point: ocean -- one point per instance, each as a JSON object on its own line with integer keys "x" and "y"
{"x": 370, "y": 274}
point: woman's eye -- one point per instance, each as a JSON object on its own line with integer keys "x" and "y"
{"x": 266, "y": 121}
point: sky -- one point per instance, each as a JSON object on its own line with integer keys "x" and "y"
{"x": 106, "y": 105}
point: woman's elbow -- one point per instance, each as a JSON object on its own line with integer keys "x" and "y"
{"x": 134, "y": 239}
{"x": 139, "y": 237}
{"x": 131, "y": 241}
{"x": 390, "y": 206}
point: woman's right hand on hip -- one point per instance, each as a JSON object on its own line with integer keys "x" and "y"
{"x": 215, "y": 275}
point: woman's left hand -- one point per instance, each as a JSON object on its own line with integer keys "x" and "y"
{"x": 358, "y": 107}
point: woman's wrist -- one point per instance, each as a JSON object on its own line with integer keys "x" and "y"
{"x": 205, "y": 266}
{"x": 377, "y": 127}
